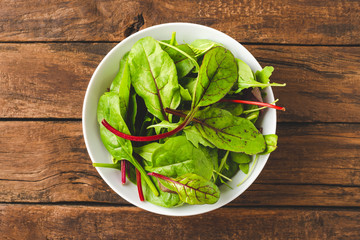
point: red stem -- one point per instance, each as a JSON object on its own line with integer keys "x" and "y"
{"x": 145, "y": 138}
{"x": 160, "y": 176}
{"x": 139, "y": 187}
{"x": 253, "y": 103}
{"x": 123, "y": 171}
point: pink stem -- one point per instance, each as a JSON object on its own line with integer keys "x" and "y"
{"x": 146, "y": 138}
{"x": 123, "y": 171}
{"x": 253, "y": 103}
{"x": 138, "y": 182}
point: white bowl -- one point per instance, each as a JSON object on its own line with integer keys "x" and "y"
{"x": 104, "y": 75}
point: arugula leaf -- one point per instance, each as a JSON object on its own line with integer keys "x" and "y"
{"x": 195, "y": 137}
{"x": 247, "y": 78}
{"x": 271, "y": 143}
{"x": 217, "y": 75}
{"x": 121, "y": 85}
{"x": 192, "y": 188}
{"x": 229, "y": 132}
{"x": 201, "y": 46}
{"x": 154, "y": 77}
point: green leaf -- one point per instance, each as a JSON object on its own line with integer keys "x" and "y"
{"x": 177, "y": 156}
{"x": 195, "y": 137}
{"x": 163, "y": 124}
{"x": 189, "y": 84}
{"x": 147, "y": 150}
{"x": 109, "y": 109}
{"x": 165, "y": 199}
{"x": 263, "y": 76}
{"x": 185, "y": 94}
{"x": 132, "y": 112}
{"x": 247, "y": 78}
{"x": 271, "y": 143}
{"x": 121, "y": 85}
{"x": 154, "y": 77}
{"x": 183, "y": 63}
{"x": 201, "y": 46}
{"x": 217, "y": 75}
{"x": 240, "y": 157}
{"x": 229, "y": 132}
{"x": 235, "y": 109}
{"x": 193, "y": 189}
{"x": 119, "y": 148}
{"x": 244, "y": 167}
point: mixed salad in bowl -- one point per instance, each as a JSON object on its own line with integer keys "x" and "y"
{"x": 180, "y": 119}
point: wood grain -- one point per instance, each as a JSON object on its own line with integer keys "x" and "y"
{"x": 315, "y": 165}
{"x": 49, "y": 80}
{"x": 285, "y": 21}
{"x": 77, "y": 222}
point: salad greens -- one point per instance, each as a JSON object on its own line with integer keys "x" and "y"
{"x": 178, "y": 117}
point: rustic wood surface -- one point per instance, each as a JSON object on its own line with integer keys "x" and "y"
{"x": 310, "y": 187}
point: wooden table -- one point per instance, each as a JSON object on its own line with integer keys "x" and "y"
{"x": 310, "y": 187}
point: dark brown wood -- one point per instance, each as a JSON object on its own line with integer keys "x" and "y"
{"x": 315, "y": 165}
{"x": 50, "y": 80}
{"x": 77, "y": 222}
{"x": 285, "y": 21}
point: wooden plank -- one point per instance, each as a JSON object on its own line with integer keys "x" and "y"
{"x": 48, "y": 162}
{"x": 50, "y": 80}
{"x": 77, "y": 222}
{"x": 285, "y": 21}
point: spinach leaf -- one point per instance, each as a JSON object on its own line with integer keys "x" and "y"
{"x": 201, "y": 46}
{"x": 271, "y": 143}
{"x": 154, "y": 77}
{"x": 192, "y": 188}
{"x": 121, "y": 85}
{"x": 195, "y": 137}
{"x": 177, "y": 156}
{"x": 217, "y": 75}
{"x": 147, "y": 150}
{"x": 247, "y": 78}
{"x": 183, "y": 64}
{"x": 229, "y": 132}
{"x": 119, "y": 148}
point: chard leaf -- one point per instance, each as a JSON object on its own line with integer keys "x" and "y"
{"x": 183, "y": 64}
{"x": 177, "y": 156}
{"x": 217, "y": 75}
{"x": 271, "y": 143}
{"x": 121, "y": 85}
{"x": 194, "y": 136}
{"x": 235, "y": 109}
{"x": 192, "y": 188}
{"x": 154, "y": 77}
{"x": 247, "y": 78}
{"x": 201, "y": 46}
{"x": 189, "y": 84}
{"x": 229, "y": 132}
